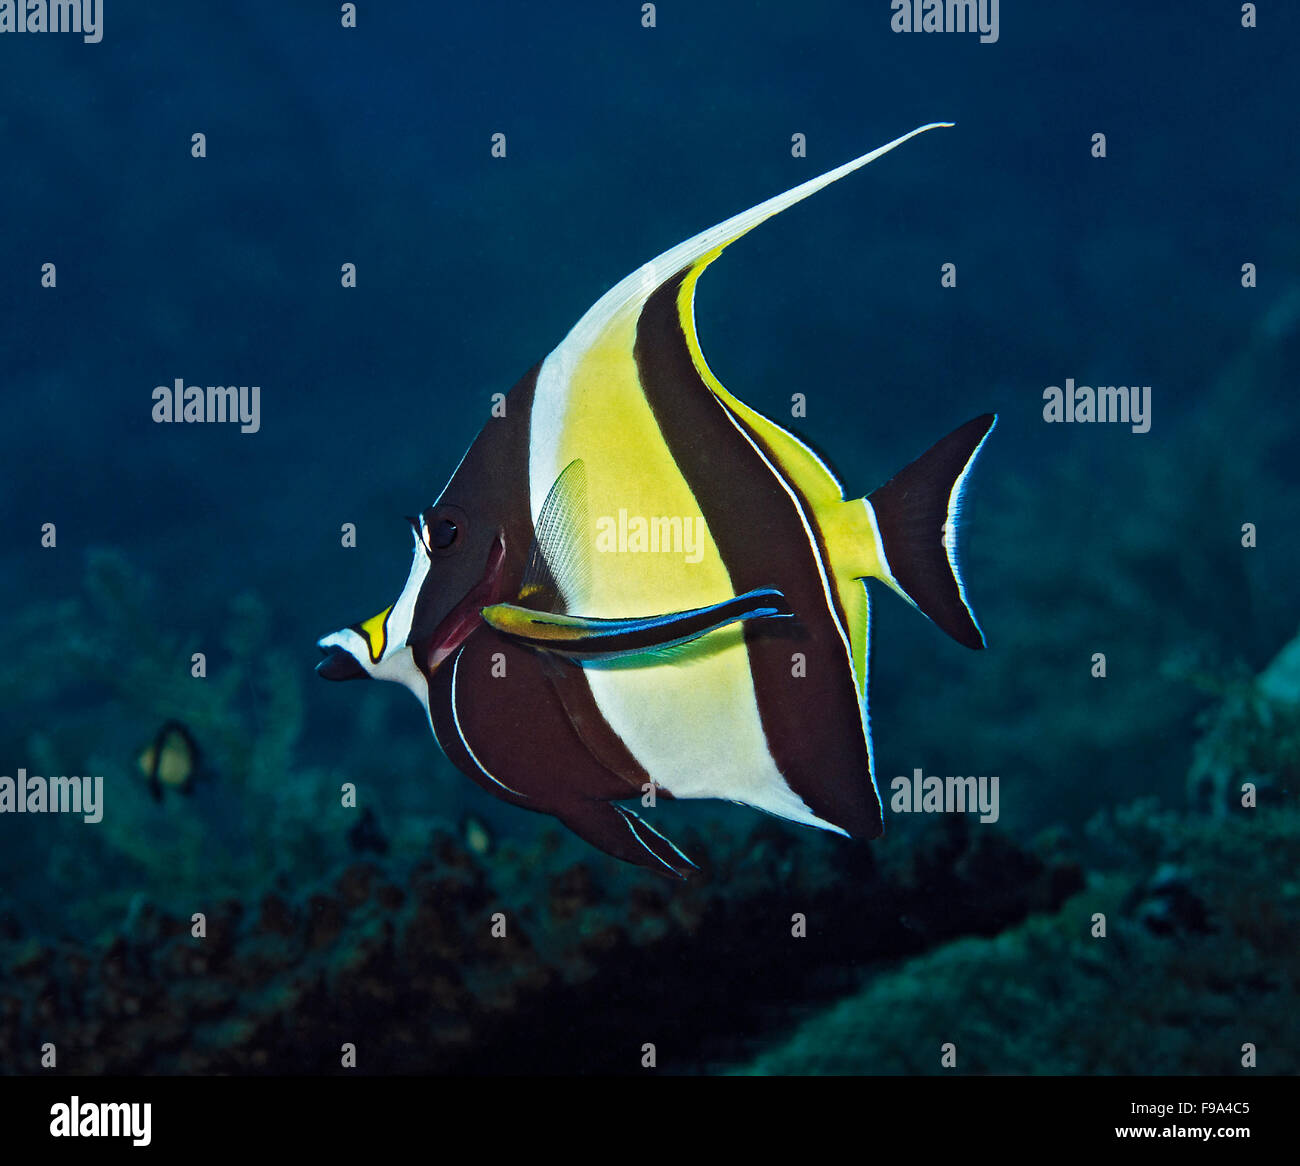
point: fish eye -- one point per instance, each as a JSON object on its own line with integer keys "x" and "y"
{"x": 444, "y": 534}
{"x": 443, "y": 529}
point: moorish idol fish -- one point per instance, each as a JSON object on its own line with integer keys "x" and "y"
{"x": 572, "y": 651}
{"x": 170, "y": 761}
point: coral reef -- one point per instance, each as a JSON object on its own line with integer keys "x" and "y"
{"x": 1197, "y": 960}
{"x": 441, "y": 953}
{"x": 1198, "y": 957}
{"x": 404, "y": 963}
{"x": 1252, "y": 737}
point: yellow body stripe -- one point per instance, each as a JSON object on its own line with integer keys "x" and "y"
{"x": 608, "y": 423}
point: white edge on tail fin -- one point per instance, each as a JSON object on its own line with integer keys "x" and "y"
{"x": 952, "y": 525}
{"x": 951, "y": 532}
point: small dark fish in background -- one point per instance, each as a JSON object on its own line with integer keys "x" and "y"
{"x": 170, "y": 761}
{"x": 366, "y": 836}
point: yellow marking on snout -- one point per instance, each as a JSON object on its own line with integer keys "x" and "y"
{"x": 375, "y": 629}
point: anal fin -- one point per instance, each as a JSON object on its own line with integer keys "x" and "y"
{"x": 620, "y": 832}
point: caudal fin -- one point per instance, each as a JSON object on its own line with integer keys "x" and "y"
{"x": 917, "y": 514}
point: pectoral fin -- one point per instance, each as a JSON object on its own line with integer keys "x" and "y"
{"x": 585, "y": 638}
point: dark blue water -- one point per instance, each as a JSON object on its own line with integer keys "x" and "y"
{"x": 371, "y": 146}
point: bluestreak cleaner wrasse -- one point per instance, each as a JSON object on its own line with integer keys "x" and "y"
{"x": 634, "y": 582}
